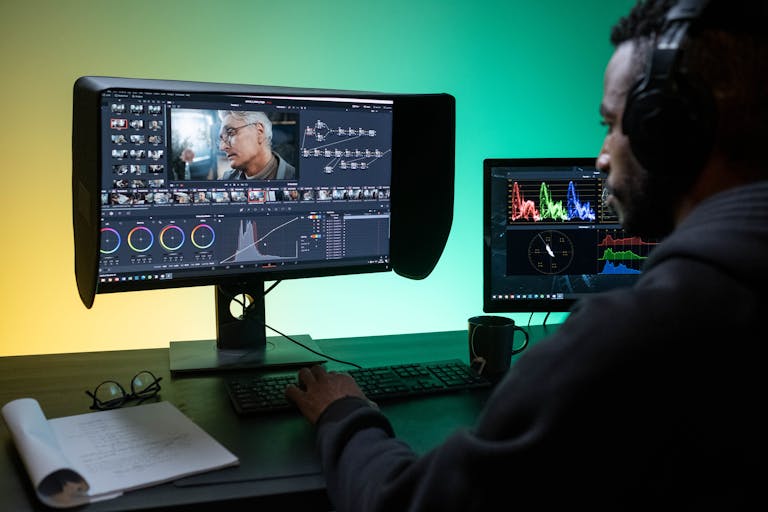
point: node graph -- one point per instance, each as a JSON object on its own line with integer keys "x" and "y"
{"x": 345, "y": 148}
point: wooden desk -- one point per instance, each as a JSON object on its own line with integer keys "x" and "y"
{"x": 279, "y": 466}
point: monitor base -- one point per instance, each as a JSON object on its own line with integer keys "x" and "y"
{"x": 279, "y": 353}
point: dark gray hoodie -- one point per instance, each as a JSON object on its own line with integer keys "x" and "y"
{"x": 652, "y": 397}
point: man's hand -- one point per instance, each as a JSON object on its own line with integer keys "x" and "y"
{"x": 319, "y": 389}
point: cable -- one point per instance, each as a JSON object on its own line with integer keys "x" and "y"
{"x": 247, "y": 309}
{"x": 543, "y": 323}
{"x": 242, "y": 303}
{"x": 273, "y": 285}
{"x": 310, "y": 349}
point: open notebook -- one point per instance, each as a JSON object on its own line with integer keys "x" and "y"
{"x": 95, "y": 456}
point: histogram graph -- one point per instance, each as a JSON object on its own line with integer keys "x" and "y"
{"x": 253, "y": 246}
{"x": 621, "y": 254}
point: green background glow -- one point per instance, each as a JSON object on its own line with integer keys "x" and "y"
{"x": 527, "y": 77}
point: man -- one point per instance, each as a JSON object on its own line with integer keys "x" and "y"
{"x": 246, "y": 138}
{"x": 645, "y": 398}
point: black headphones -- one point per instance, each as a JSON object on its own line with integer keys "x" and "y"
{"x": 669, "y": 118}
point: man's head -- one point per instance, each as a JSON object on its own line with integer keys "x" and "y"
{"x": 719, "y": 79}
{"x": 246, "y": 138}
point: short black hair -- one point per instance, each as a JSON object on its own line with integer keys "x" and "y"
{"x": 728, "y": 53}
{"x": 644, "y": 21}
{"x": 736, "y": 17}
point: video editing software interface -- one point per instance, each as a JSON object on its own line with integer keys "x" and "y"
{"x": 552, "y": 239}
{"x": 172, "y": 206}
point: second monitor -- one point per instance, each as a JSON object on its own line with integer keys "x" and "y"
{"x": 548, "y": 239}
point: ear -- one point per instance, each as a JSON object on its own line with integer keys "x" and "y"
{"x": 260, "y": 132}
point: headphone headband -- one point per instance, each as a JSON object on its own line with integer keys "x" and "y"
{"x": 668, "y": 117}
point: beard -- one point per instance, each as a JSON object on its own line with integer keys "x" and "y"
{"x": 645, "y": 203}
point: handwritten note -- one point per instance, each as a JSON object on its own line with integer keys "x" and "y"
{"x": 102, "y": 454}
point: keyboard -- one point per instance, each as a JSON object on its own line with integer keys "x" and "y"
{"x": 253, "y": 394}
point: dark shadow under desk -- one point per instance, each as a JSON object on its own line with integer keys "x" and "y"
{"x": 278, "y": 462}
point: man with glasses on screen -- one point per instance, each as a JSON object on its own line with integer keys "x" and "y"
{"x": 650, "y": 397}
{"x": 246, "y": 139}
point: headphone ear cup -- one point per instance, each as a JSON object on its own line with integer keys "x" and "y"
{"x": 670, "y": 129}
{"x": 641, "y": 117}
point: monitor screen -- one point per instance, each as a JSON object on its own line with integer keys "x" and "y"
{"x": 548, "y": 239}
{"x": 190, "y": 183}
{"x": 202, "y": 186}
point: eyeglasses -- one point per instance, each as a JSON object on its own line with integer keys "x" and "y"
{"x": 226, "y": 135}
{"x": 111, "y": 395}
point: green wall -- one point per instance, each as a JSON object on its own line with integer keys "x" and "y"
{"x": 527, "y": 77}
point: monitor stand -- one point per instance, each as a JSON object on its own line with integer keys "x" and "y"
{"x": 241, "y": 342}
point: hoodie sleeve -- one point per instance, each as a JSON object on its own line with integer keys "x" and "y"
{"x": 367, "y": 468}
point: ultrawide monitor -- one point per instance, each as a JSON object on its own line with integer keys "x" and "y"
{"x": 548, "y": 239}
{"x": 190, "y": 183}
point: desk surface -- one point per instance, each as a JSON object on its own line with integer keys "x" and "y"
{"x": 279, "y": 465}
